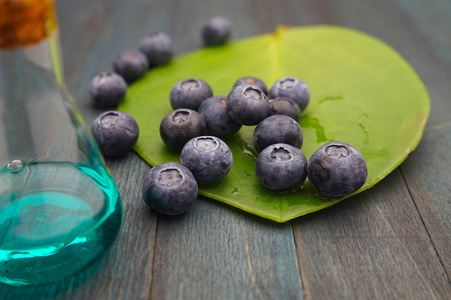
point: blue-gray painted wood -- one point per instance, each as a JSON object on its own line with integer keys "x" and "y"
{"x": 372, "y": 246}
{"x": 215, "y": 252}
{"x": 433, "y": 19}
{"x": 392, "y": 241}
{"x": 427, "y": 173}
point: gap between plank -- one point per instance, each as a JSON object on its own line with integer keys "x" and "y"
{"x": 305, "y": 293}
{"x": 154, "y": 258}
{"x": 425, "y": 228}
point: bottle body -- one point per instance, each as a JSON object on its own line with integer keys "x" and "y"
{"x": 60, "y": 210}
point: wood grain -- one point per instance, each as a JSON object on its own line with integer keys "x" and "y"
{"x": 215, "y": 252}
{"x": 390, "y": 242}
{"x": 127, "y": 271}
{"x": 427, "y": 170}
{"x": 405, "y": 31}
{"x": 393, "y": 267}
{"x": 369, "y": 246}
{"x": 427, "y": 174}
{"x": 120, "y": 286}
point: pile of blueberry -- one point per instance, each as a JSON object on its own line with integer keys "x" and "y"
{"x": 200, "y": 120}
{"x": 336, "y": 169}
{"x": 170, "y": 188}
{"x": 117, "y": 132}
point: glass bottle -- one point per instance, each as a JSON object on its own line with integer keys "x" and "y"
{"x": 60, "y": 210}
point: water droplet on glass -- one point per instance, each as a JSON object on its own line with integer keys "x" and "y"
{"x": 15, "y": 166}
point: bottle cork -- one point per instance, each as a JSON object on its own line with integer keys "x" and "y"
{"x": 25, "y": 22}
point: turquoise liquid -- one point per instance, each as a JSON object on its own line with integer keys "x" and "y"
{"x": 56, "y": 219}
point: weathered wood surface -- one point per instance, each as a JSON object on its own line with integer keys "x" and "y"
{"x": 390, "y": 242}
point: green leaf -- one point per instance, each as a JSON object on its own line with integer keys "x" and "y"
{"x": 362, "y": 93}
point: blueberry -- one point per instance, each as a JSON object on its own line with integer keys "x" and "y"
{"x": 158, "y": 48}
{"x": 214, "y": 111}
{"x": 216, "y": 31}
{"x": 208, "y": 158}
{"x": 181, "y": 125}
{"x": 189, "y": 93}
{"x": 170, "y": 188}
{"x": 284, "y": 106}
{"x": 131, "y": 65}
{"x": 115, "y": 132}
{"x": 292, "y": 88}
{"x": 281, "y": 167}
{"x": 277, "y": 129}
{"x": 247, "y": 105}
{"x": 252, "y": 81}
{"x": 337, "y": 169}
{"x": 107, "y": 89}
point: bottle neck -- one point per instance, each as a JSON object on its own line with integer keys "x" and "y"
{"x": 25, "y": 22}
{"x": 30, "y": 45}
{"x": 23, "y": 64}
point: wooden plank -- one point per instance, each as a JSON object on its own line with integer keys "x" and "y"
{"x": 427, "y": 174}
{"x": 405, "y": 35}
{"x": 189, "y": 39}
{"x": 427, "y": 170}
{"x": 390, "y": 266}
{"x": 433, "y": 20}
{"x": 216, "y": 252}
{"x": 415, "y": 41}
{"x": 369, "y": 246}
{"x": 79, "y": 25}
{"x": 127, "y": 271}
{"x": 90, "y": 40}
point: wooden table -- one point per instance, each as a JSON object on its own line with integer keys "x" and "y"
{"x": 390, "y": 242}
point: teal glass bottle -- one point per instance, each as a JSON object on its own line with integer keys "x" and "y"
{"x": 60, "y": 210}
